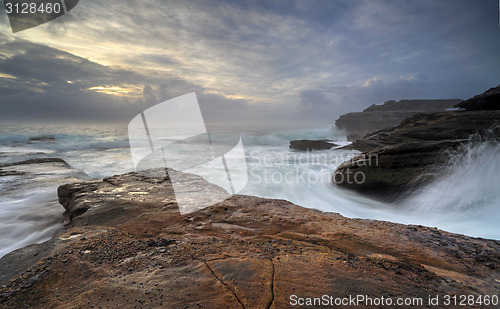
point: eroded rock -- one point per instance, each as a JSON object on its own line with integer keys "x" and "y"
{"x": 245, "y": 252}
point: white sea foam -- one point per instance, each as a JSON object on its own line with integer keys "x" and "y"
{"x": 29, "y": 217}
{"x": 466, "y": 199}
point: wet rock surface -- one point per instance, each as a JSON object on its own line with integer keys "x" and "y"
{"x": 308, "y": 145}
{"x": 42, "y": 138}
{"x": 49, "y": 168}
{"x": 131, "y": 248}
{"x": 40, "y": 172}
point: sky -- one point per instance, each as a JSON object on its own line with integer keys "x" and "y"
{"x": 249, "y": 62}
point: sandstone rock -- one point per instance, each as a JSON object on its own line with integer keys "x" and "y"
{"x": 391, "y": 113}
{"x": 307, "y": 144}
{"x": 89, "y": 202}
{"x": 489, "y": 100}
{"x": 245, "y": 252}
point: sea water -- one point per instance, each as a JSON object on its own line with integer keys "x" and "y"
{"x": 465, "y": 199}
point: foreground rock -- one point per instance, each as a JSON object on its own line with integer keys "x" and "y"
{"x": 307, "y": 144}
{"x": 131, "y": 248}
{"x": 391, "y": 113}
{"x": 406, "y": 156}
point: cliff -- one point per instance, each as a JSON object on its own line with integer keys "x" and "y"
{"x": 411, "y": 154}
{"x": 484, "y": 101}
{"x": 391, "y": 113}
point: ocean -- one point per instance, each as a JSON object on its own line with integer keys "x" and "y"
{"x": 465, "y": 199}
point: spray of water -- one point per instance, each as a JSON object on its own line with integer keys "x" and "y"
{"x": 466, "y": 198}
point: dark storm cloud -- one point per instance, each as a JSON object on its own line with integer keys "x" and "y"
{"x": 36, "y": 63}
{"x": 326, "y": 103}
{"x": 42, "y": 82}
{"x": 273, "y": 58}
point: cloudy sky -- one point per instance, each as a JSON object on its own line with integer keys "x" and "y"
{"x": 248, "y": 61}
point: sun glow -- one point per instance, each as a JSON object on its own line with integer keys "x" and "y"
{"x": 123, "y": 90}
{"x": 5, "y": 75}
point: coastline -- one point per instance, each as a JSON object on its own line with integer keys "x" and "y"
{"x": 247, "y": 251}
{"x": 129, "y": 245}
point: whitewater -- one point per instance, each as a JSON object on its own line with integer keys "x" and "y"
{"x": 465, "y": 199}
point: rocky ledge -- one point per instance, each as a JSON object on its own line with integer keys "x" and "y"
{"x": 391, "y": 113}
{"x": 35, "y": 166}
{"x": 307, "y": 144}
{"x": 36, "y": 173}
{"x": 484, "y": 101}
{"x": 130, "y": 247}
{"x": 406, "y": 156}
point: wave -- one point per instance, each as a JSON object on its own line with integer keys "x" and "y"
{"x": 28, "y": 217}
{"x": 466, "y": 198}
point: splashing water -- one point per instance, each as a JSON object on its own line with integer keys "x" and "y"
{"x": 466, "y": 199}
